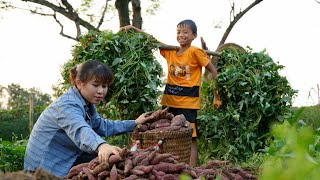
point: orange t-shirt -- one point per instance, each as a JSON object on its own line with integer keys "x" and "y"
{"x": 184, "y": 78}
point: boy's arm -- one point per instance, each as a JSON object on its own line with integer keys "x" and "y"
{"x": 216, "y": 100}
{"x": 130, "y": 27}
{"x": 210, "y": 67}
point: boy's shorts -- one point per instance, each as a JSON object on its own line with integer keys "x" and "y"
{"x": 189, "y": 114}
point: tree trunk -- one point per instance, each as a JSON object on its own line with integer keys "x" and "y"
{"x": 136, "y": 16}
{"x": 123, "y": 12}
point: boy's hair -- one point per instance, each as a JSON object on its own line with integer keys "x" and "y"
{"x": 190, "y": 24}
{"x": 91, "y": 69}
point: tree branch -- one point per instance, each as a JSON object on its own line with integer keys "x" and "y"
{"x": 103, "y": 14}
{"x": 68, "y": 12}
{"x": 235, "y": 20}
{"x": 62, "y": 27}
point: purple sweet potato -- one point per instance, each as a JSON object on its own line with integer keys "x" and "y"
{"x": 75, "y": 170}
{"x": 178, "y": 120}
{"x": 159, "y": 157}
{"x": 145, "y": 169}
{"x": 169, "y": 167}
{"x": 98, "y": 169}
{"x": 114, "y": 173}
{"x": 128, "y": 165}
{"x": 148, "y": 158}
{"x": 87, "y": 171}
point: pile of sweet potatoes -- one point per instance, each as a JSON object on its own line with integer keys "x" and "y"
{"x": 150, "y": 164}
{"x": 163, "y": 121}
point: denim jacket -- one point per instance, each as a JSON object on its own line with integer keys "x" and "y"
{"x": 64, "y": 130}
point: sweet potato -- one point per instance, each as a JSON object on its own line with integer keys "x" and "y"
{"x": 170, "y": 128}
{"x": 232, "y": 175}
{"x": 190, "y": 172}
{"x": 214, "y": 163}
{"x": 148, "y": 158}
{"x": 161, "y": 113}
{"x": 142, "y": 127}
{"x": 145, "y": 169}
{"x": 159, "y": 157}
{"x": 131, "y": 177}
{"x": 136, "y": 172}
{"x": 98, "y": 169}
{"x": 170, "y": 160}
{"x": 170, "y": 177}
{"x": 169, "y": 116}
{"x": 157, "y": 174}
{"x": 76, "y": 169}
{"x": 160, "y": 121}
{"x": 104, "y": 174}
{"x": 203, "y": 172}
{"x": 93, "y": 163}
{"x": 178, "y": 120}
{"x": 128, "y": 165}
{"x": 139, "y": 157}
{"x": 114, "y": 173}
{"x": 245, "y": 174}
{"x": 114, "y": 159}
{"x": 87, "y": 171}
{"x": 168, "y": 167}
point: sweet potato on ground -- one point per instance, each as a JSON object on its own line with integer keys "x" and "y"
{"x": 98, "y": 169}
{"x": 145, "y": 169}
{"x": 114, "y": 173}
{"x": 148, "y": 158}
{"x": 159, "y": 157}
{"x": 169, "y": 167}
{"x": 75, "y": 170}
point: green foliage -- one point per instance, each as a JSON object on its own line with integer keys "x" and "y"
{"x": 137, "y": 72}
{"x": 12, "y": 155}
{"x": 253, "y": 95}
{"x": 13, "y": 122}
{"x": 293, "y": 154}
{"x": 18, "y": 97}
{"x": 310, "y": 115}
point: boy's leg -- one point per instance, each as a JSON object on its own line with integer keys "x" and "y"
{"x": 194, "y": 147}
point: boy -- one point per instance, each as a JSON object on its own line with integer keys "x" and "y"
{"x": 182, "y": 91}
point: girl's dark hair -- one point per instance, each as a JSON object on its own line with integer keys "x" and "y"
{"x": 91, "y": 69}
{"x": 190, "y": 24}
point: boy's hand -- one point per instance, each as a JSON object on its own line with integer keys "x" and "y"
{"x": 129, "y": 27}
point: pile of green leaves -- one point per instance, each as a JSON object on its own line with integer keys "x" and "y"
{"x": 137, "y": 72}
{"x": 253, "y": 95}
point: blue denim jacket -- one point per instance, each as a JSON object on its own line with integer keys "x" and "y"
{"x": 64, "y": 130}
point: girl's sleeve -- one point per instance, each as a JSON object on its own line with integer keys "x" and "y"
{"x": 106, "y": 127}
{"x": 72, "y": 121}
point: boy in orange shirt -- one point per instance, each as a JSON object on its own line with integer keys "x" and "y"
{"x": 182, "y": 91}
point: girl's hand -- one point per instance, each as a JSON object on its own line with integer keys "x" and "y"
{"x": 143, "y": 118}
{"x": 105, "y": 151}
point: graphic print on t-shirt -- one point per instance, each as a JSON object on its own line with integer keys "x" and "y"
{"x": 182, "y": 70}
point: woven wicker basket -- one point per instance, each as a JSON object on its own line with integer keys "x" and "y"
{"x": 175, "y": 142}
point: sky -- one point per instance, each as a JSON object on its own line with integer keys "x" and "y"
{"x": 32, "y": 51}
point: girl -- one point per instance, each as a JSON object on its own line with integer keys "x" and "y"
{"x": 68, "y": 131}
